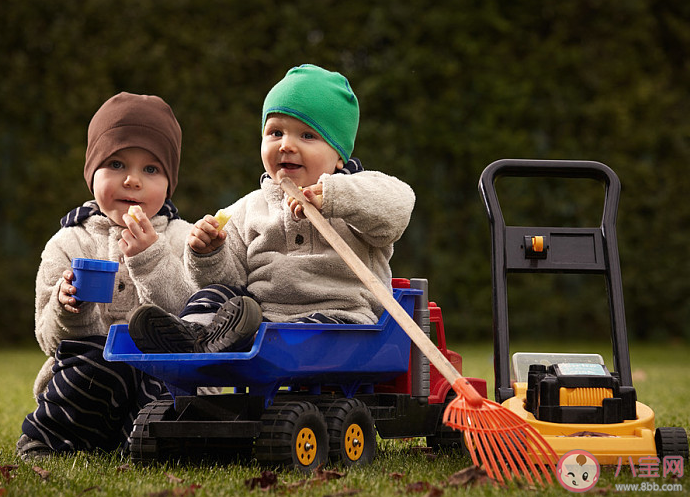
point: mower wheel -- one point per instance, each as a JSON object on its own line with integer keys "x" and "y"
{"x": 672, "y": 441}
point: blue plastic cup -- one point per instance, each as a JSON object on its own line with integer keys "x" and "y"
{"x": 94, "y": 279}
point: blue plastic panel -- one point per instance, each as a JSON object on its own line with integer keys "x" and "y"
{"x": 283, "y": 354}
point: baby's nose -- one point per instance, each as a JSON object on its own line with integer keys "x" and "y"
{"x": 133, "y": 181}
{"x": 287, "y": 144}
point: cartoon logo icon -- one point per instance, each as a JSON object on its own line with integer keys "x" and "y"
{"x": 578, "y": 471}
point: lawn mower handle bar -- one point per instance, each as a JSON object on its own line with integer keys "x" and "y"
{"x": 557, "y": 169}
{"x": 554, "y": 169}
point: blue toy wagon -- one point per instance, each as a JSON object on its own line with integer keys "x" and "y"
{"x": 303, "y": 394}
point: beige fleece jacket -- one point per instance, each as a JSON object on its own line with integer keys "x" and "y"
{"x": 290, "y": 268}
{"x": 155, "y": 275}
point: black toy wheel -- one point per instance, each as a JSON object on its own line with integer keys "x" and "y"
{"x": 143, "y": 447}
{"x": 447, "y": 439}
{"x": 293, "y": 434}
{"x": 671, "y": 441}
{"x": 351, "y": 432}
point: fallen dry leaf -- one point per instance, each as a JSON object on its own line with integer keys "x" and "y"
{"x": 589, "y": 434}
{"x": 321, "y": 474}
{"x": 423, "y": 486}
{"x": 295, "y": 485}
{"x": 44, "y": 474}
{"x": 434, "y": 492}
{"x": 123, "y": 468}
{"x": 6, "y": 471}
{"x": 469, "y": 477}
{"x": 267, "y": 479}
{"x": 419, "y": 486}
{"x": 396, "y": 476}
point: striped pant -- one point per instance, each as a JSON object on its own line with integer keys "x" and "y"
{"x": 203, "y": 305}
{"x": 90, "y": 403}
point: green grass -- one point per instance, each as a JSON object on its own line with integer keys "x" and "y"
{"x": 660, "y": 372}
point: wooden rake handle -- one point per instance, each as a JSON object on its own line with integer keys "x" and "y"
{"x": 459, "y": 383}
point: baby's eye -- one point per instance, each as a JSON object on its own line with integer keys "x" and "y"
{"x": 150, "y": 169}
{"x": 308, "y": 135}
{"x": 585, "y": 475}
{"x": 116, "y": 164}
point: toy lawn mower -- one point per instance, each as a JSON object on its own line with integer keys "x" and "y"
{"x": 573, "y": 400}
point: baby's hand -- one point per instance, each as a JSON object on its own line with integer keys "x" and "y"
{"x": 313, "y": 194}
{"x": 66, "y": 294}
{"x": 140, "y": 233}
{"x": 205, "y": 236}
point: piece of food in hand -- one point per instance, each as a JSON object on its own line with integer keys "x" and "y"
{"x": 131, "y": 211}
{"x": 222, "y": 216}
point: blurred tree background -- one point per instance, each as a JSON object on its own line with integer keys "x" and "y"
{"x": 445, "y": 89}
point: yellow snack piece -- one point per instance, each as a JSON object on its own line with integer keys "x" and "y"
{"x": 130, "y": 211}
{"x": 222, "y": 216}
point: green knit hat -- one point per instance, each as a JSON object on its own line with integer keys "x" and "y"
{"x": 321, "y": 99}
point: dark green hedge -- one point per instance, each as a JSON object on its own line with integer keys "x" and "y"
{"x": 445, "y": 89}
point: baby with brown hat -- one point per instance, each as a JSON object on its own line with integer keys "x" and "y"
{"x": 131, "y": 167}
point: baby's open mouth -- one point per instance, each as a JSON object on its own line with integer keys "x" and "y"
{"x": 289, "y": 165}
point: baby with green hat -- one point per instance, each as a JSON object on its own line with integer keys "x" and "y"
{"x": 267, "y": 252}
{"x": 309, "y": 124}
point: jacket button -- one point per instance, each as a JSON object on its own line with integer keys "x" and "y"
{"x": 299, "y": 239}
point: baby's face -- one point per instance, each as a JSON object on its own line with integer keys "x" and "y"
{"x": 131, "y": 176}
{"x": 291, "y": 149}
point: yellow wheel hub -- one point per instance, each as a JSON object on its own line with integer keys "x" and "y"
{"x": 354, "y": 442}
{"x": 305, "y": 446}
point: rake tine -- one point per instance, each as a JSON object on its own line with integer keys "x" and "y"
{"x": 456, "y": 418}
{"x": 547, "y": 452}
{"x": 546, "y": 458}
{"x": 517, "y": 442}
{"x": 492, "y": 441}
{"x": 509, "y": 451}
{"x": 488, "y": 446}
{"x": 459, "y": 417}
{"x": 510, "y": 443}
{"x": 524, "y": 439}
{"x": 489, "y": 464}
{"x": 503, "y": 443}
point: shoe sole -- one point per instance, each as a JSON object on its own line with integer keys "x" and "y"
{"x": 155, "y": 331}
{"x": 238, "y": 328}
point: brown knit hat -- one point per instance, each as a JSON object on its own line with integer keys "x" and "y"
{"x": 127, "y": 120}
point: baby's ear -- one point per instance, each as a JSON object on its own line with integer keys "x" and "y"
{"x": 339, "y": 165}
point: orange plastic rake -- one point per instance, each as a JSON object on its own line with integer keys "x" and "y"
{"x": 504, "y": 443}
